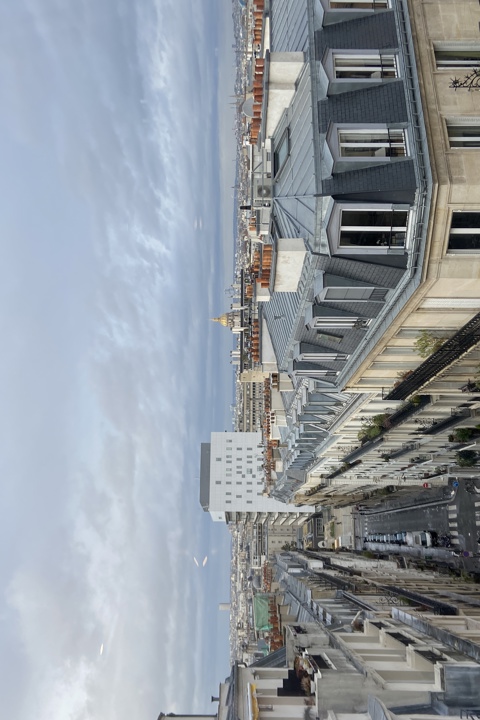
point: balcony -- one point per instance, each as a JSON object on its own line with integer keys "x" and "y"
{"x": 365, "y": 448}
{"x": 410, "y": 447}
{"x": 394, "y": 420}
{"x": 451, "y": 351}
{"x": 439, "y": 426}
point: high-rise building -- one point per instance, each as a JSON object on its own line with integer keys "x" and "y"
{"x": 232, "y": 477}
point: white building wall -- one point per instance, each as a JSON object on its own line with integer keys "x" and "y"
{"x": 237, "y": 476}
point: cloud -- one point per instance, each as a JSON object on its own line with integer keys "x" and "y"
{"x": 114, "y": 374}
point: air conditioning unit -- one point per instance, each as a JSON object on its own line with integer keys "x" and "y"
{"x": 262, "y": 190}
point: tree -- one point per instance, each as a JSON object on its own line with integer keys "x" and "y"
{"x": 462, "y": 434}
{"x": 374, "y": 427}
{"x": 467, "y": 458}
{"x": 427, "y": 343}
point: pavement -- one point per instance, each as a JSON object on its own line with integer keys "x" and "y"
{"x": 344, "y": 519}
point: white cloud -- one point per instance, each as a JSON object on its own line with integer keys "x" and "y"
{"x": 114, "y": 370}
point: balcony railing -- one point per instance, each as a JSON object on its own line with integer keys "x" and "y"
{"x": 402, "y": 451}
{"x": 438, "y": 427}
{"x": 394, "y": 420}
{"x": 451, "y": 351}
{"x": 365, "y": 448}
{"x": 438, "y": 607}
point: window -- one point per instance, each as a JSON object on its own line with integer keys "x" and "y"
{"x": 218, "y": 459}
{"x": 365, "y": 143}
{"x": 218, "y": 482}
{"x": 462, "y": 135}
{"x": 316, "y": 373}
{"x": 464, "y": 232}
{"x": 457, "y": 56}
{"x": 342, "y": 323}
{"x": 328, "y": 337}
{"x": 372, "y": 66}
{"x": 322, "y": 357}
{"x": 353, "y": 294}
{"x": 373, "y": 228}
{"x": 359, "y": 5}
{"x": 280, "y": 153}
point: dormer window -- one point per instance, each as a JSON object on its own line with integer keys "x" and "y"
{"x": 359, "y": 4}
{"x": 364, "y": 66}
{"x": 339, "y": 10}
{"x": 371, "y": 143}
{"x": 354, "y": 294}
{"x": 363, "y": 227}
{"x": 368, "y": 229}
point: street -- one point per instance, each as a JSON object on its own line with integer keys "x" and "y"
{"x": 458, "y": 517}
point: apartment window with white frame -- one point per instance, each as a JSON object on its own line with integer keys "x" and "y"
{"x": 464, "y": 236}
{"x": 463, "y": 133}
{"x": 456, "y": 55}
{"x": 371, "y": 143}
{"x": 364, "y": 66}
{"x": 359, "y": 4}
{"x": 373, "y": 228}
{"x": 338, "y": 323}
{"x": 320, "y": 372}
{"x": 323, "y": 357}
{"x": 354, "y": 294}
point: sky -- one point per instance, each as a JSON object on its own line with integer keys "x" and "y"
{"x": 116, "y": 150}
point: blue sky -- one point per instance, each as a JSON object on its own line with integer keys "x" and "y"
{"x": 115, "y": 226}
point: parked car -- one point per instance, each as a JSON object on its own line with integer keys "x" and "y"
{"x": 420, "y": 538}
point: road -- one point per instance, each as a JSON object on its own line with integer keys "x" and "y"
{"x": 458, "y": 517}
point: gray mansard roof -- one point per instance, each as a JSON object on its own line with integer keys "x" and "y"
{"x": 303, "y": 193}
{"x": 312, "y": 187}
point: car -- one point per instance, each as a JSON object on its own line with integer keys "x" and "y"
{"x": 419, "y": 538}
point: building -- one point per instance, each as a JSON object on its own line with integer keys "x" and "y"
{"x": 355, "y": 649}
{"x": 366, "y": 209}
{"x": 232, "y": 477}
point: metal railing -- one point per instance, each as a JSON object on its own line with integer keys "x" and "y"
{"x": 452, "y": 350}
